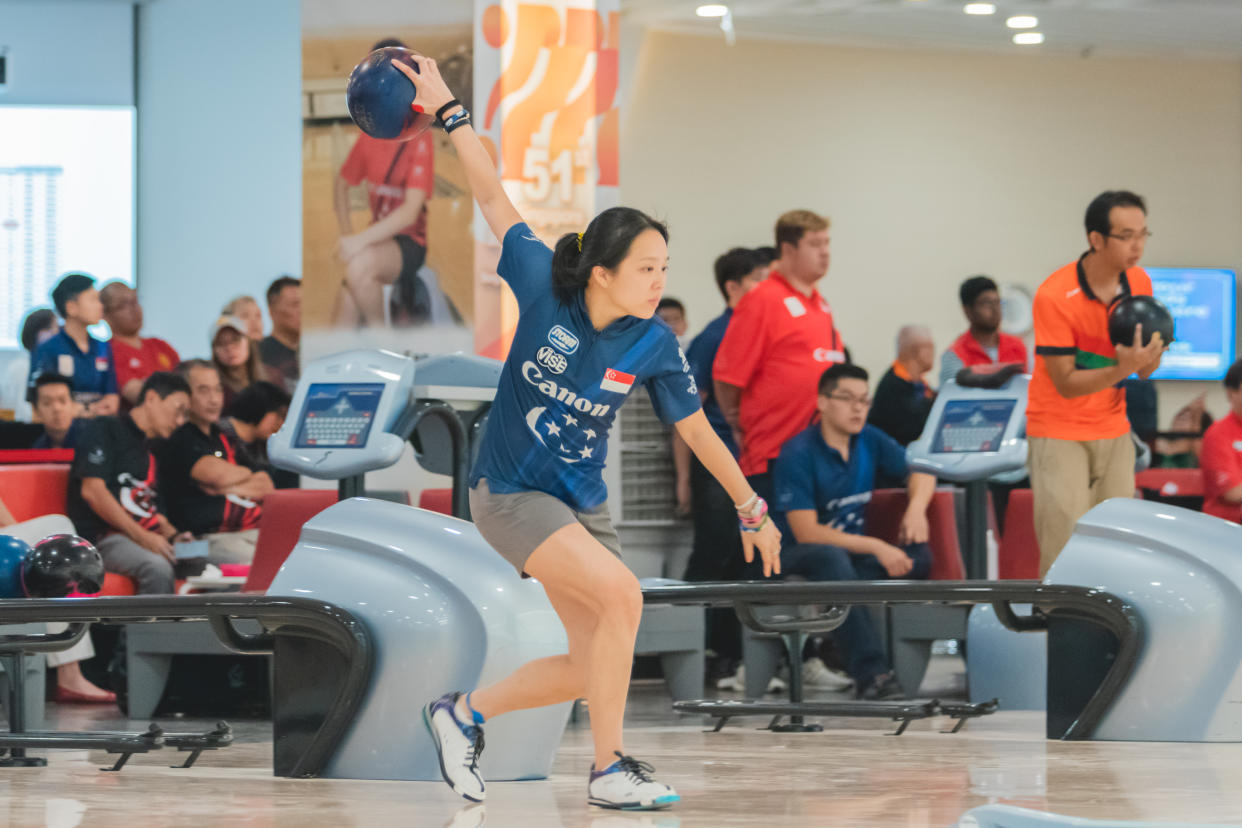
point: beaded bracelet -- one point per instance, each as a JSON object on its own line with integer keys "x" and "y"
{"x": 758, "y": 518}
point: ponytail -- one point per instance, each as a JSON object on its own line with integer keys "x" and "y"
{"x": 605, "y": 243}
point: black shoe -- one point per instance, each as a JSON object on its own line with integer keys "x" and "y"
{"x": 883, "y": 687}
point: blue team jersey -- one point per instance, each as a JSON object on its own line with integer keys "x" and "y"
{"x": 91, "y": 371}
{"x": 702, "y": 353}
{"x": 812, "y": 475}
{"x": 563, "y": 382}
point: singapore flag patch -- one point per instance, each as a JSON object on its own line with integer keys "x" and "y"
{"x": 616, "y": 381}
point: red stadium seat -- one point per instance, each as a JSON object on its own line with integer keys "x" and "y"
{"x": 1019, "y": 552}
{"x": 284, "y": 513}
{"x": 884, "y": 514}
{"x": 436, "y": 500}
{"x": 35, "y": 489}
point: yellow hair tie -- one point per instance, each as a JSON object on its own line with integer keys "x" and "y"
{"x": 579, "y": 242}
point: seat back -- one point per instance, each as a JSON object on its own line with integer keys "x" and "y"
{"x": 284, "y": 512}
{"x": 1176, "y": 487}
{"x": 884, "y": 514}
{"x": 35, "y": 489}
{"x": 436, "y": 500}
{"x": 1018, "y": 550}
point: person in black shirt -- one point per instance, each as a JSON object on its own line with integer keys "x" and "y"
{"x": 54, "y": 403}
{"x": 211, "y": 484}
{"x": 279, "y": 350}
{"x": 112, "y": 486}
{"x": 903, "y": 399}
{"x": 255, "y": 414}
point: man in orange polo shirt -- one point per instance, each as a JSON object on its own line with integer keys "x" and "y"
{"x": 781, "y": 338}
{"x": 1220, "y": 458}
{"x": 1081, "y": 452}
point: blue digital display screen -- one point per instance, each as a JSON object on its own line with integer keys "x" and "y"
{"x": 338, "y": 415}
{"x": 1202, "y": 301}
{"x": 972, "y": 425}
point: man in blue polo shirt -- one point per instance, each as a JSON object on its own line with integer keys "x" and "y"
{"x": 74, "y": 353}
{"x": 823, "y": 481}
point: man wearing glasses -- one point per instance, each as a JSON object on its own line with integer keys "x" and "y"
{"x": 823, "y": 481}
{"x": 1081, "y": 452}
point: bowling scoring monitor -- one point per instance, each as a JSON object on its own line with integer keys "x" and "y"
{"x": 972, "y": 425}
{"x": 974, "y": 432}
{"x": 338, "y": 414}
{"x": 346, "y": 415}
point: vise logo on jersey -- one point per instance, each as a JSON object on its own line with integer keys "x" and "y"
{"x": 552, "y": 360}
{"x": 532, "y": 374}
{"x": 617, "y": 382}
{"x": 563, "y": 339}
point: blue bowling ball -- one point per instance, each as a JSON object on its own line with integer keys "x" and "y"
{"x": 12, "y": 553}
{"x": 379, "y": 97}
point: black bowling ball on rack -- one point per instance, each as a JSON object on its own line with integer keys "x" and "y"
{"x": 62, "y": 564}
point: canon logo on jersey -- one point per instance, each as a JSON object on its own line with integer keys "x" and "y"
{"x": 827, "y": 355}
{"x": 532, "y": 374}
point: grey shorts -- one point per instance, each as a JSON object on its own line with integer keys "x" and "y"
{"x": 515, "y": 524}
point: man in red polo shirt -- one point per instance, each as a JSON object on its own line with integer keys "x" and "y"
{"x": 983, "y": 343}
{"x": 400, "y": 179}
{"x": 1081, "y": 452}
{"x": 781, "y": 338}
{"x": 136, "y": 357}
{"x": 1220, "y": 459}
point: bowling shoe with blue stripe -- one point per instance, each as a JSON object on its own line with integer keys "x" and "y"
{"x": 458, "y": 746}
{"x": 627, "y": 785}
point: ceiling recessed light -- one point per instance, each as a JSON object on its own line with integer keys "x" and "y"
{"x": 979, "y": 8}
{"x": 1022, "y": 21}
{"x": 712, "y": 10}
{"x": 1028, "y": 38}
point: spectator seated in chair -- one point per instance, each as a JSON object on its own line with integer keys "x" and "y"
{"x": 113, "y": 500}
{"x": 903, "y": 398}
{"x": 983, "y": 343}
{"x": 74, "y": 353}
{"x": 823, "y": 481}
{"x": 1181, "y": 447}
{"x": 56, "y": 409}
{"x": 136, "y": 357}
{"x": 71, "y": 686}
{"x": 212, "y": 486}
{"x": 1221, "y": 455}
{"x": 255, "y": 414}
{"x": 278, "y": 351}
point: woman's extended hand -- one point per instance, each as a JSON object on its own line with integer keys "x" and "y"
{"x": 768, "y": 541}
{"x": 430, "y": 90}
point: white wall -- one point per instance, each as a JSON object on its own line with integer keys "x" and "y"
{"x": 67, "y": 52}
{"x": 932, "y": 167}
{"x": 219, "y": 158}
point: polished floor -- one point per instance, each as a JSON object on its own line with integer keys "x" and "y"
{"x": 852, "y": 774}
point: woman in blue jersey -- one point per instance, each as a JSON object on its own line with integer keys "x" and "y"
{"x": 585, "y": 338}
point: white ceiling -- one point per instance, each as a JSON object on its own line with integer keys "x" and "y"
{"x": 1203, "y": 28}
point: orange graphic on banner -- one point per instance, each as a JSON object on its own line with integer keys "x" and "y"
{"x": 584, "y": 34}
{"x": 554, "y": 106}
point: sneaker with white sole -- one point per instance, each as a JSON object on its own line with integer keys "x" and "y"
{"x": 737, "y": 682}
{"x": 458, "y": 746}
{"x": 818, "y": 675}
{"x": 626, "y": 785}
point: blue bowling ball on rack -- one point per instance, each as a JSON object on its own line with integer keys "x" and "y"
{"x": 12, "y": 554}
